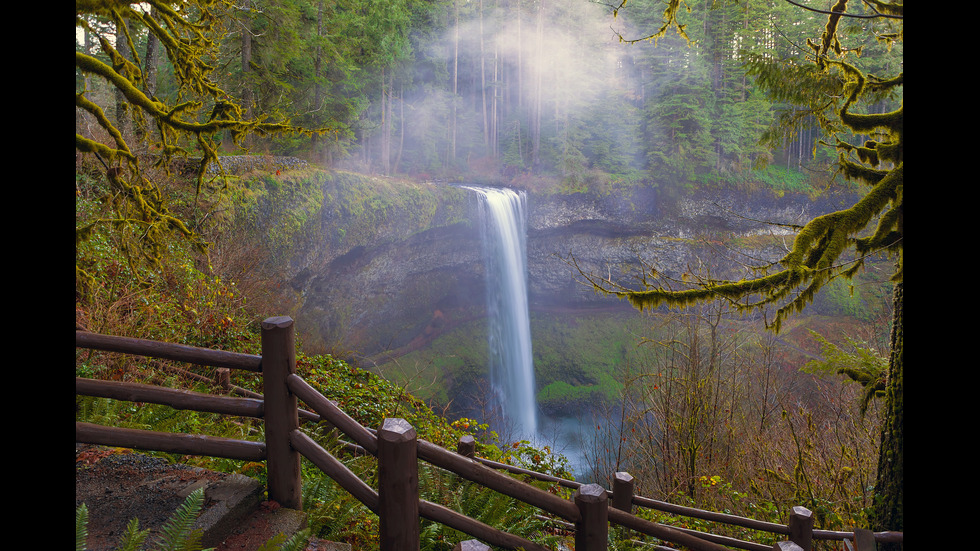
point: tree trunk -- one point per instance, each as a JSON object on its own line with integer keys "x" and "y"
{"x": 451, "y": 155}
{"x": 123, "y": 120}
{"x": 318, "y": 59}
{"x": 150, "y": 60}
{"x": 496, "y": 95}
{"x": 401, "y": 129}
{"x": 246, "y": 68}
{"x": 247, "y": 99}
{"x": 385, "y": 124}
{"x": 888, "y": 507}
{"x": 483, "y": 85}
{"x": 317, "y": 87}
{"x": 535, "y": 123}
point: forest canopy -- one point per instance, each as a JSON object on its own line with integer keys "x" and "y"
{"x": 516, "y": 92}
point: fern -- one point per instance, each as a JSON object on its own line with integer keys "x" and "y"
{"x": 81, "y": 527}
{"x": 280, "y": 543}
{"x": 480, "y": 503}
{"x": 178, "y": 533}
{"x": 133, "y": 537}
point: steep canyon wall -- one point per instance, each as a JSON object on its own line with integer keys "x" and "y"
{"x": 388, "y": 266}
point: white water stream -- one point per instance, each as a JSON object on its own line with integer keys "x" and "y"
{"x": 511, "y": 364}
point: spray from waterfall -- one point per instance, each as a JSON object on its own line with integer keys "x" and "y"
{"x": 511, "y": 365}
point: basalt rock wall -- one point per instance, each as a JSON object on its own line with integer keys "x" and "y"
{"x": 394, "y": 264}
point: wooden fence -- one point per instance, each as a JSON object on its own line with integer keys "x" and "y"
{"x": 398, "y": 451}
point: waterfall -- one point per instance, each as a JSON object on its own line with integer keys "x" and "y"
{"x": 511, "y": 364}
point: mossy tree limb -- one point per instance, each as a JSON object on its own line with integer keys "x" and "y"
{"x": 199, "y": 114}
{"x": 834, "y": 245}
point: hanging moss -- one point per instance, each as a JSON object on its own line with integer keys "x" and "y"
{"x": 188, "y": 33}
{"x": 829, "y": 246}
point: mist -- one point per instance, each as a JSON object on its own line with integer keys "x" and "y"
{"x": 504, "y": 92}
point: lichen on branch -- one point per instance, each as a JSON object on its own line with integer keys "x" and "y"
{"x": 832, "y": 245}
{"x": 201, "y": 111}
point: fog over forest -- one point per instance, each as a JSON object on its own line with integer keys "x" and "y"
{"x": 534, "y": 91}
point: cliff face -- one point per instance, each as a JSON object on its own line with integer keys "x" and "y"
{"x": 392, "y": 265}
{"x": 382, "y": 259}
{"x": 619, "y": 239}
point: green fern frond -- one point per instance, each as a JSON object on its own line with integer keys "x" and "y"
{"x": 273, "y": 543}
{"x": 133, "y": 537}
{"x": 178, "y": 534}
{"x": 81, "y": 528}
{"x": 295, "y": 543}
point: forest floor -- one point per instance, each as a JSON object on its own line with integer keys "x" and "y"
{"x": 119, "y": 485}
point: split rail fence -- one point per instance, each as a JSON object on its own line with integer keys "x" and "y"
{"x": 398, "y": 451}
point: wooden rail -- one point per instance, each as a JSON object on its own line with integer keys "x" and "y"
{"x": 398, "y": 451}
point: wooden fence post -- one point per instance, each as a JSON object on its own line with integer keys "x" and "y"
{"x": 592, "y": 532}
{"x": 864, "y": 540}
{"x": 281, "y": 415}
{"x": 801, "y": 527}
{"x": 466, "y": 446}
{"x": 398, "y": 486}
{"x": 223, "y": 377}
{"x": 623, "y": 492}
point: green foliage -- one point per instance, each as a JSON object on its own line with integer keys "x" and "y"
{"x": 296, "y": 542}
{"x": 845, "y": 298}
{"x": 370, "y": 399}
{"x": 180, "y": 299}
{"x": 781, "y": 179}
{"x": 162, "y": 418}
{"x": 678, "y": 125}
{"x": 363, "y": 206}
{"x": 278, "y": 212}
{"x": 81, "y": 527}
{"x": 480, "y": 503}
{"x": 111, "y": 74}
{"x": 133, "y": 537}
{"x": 859, "y": 362}
{"x": 177, "y": 534}
{"x": 437, "y": 373}
{"x": 577, "y": 361}
{"x": 176, "y": 303}
{"x": 336, "y": 515}
{"x": 721, "y": 495}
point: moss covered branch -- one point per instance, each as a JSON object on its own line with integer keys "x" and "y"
{"x": 831, "y": 245}
{"x": 188, "y": 32}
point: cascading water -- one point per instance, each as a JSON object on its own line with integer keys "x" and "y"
{"x": 511, "y": 364}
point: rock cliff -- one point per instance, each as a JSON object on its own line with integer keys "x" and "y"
{"x": 389, "y": 265}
